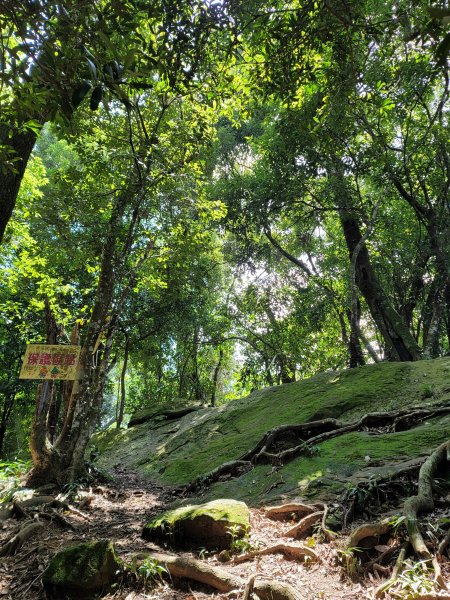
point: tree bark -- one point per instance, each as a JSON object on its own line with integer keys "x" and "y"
{"x": 400, "y": 344}
{"x": 216, "y": 377}
{"x": 123, "y": 373}
{"x": 18, "y": 147}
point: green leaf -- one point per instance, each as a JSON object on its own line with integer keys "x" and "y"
{"x": 96, "y": 97}
{"x": 92, "y": 68}
{"x": 80, "y": 92}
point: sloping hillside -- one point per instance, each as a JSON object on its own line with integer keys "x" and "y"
{"x": 179, "y": 450}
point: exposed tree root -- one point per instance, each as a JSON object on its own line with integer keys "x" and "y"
{"x": 190, "y": 568}
{"x": 304, "y": 436}
{"x": 379, "y": 593}
{"x": 230, "y": 469}
{"x": 431, "y": 596}
{"x": 414, "y": 505}
{"x": 53, "y": 515}
{"x": 367, "y": 530}
{"x": 167, "y": 415}
{"x": 444, "y": 543}
{"x": 16, "y": 542}
{"x": 423, "y": 502}
{"x": 304, "y": 525}
{"x": 249, "y": 588}
{"x": 376, "y": 563}
{"x": 355, "y": 501}
{"x": 269, "y": 589}
{"x": 284, "y": 511}
{"x": 45, "y": 502}
{"x": 222, "y": 580}
{"x": 299, "y": 553}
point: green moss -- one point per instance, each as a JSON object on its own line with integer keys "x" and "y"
{"x": 81, "y": 570}
{"x": 336, "y": 464}
{"x": 236, "y": 513}
{"x": 207, "y": 524}
{"x": 178, "y": 452}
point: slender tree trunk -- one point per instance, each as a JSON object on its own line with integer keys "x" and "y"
{"x": 198, "y": 392}
{"x": 432, "y": 330}
{"x": 6, "y": 413}
{"x": 400, "y": 344}
{"x": 354, "y": 346}
{"x": 123, "y": 373}
{"x": 216, "y": 377}
{"x": 286, "y": 370}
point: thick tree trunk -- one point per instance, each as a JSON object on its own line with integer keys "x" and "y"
{"x": 18, "y": 147}
{"x": 400, "y": 344}
{"x": 63, "y": 462}
{"x": 40, "y": 445}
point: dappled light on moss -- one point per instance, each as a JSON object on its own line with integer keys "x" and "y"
{"x": 178, "y": 452}
{"x": 303, "y": 483}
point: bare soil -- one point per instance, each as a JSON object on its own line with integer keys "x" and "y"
{"x": 118, "y": 511}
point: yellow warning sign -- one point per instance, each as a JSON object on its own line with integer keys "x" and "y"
{"x": 50, "y": 362}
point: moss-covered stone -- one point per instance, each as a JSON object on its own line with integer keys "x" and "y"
{"x": 179, "y": 452}
{"x": 82, "y": 570}
{"x": 212, "y": 525}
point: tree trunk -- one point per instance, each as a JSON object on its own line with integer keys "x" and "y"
{"x": 63, "y": 462}
{"x": 122, "y": 383}
{"x": 40, "y": 444}
{"x": 354, "y": 347}
{"x": 286, "y": 369}
{"x": 216, "y": 377}
{"x": 400, "y": 344}
{"x": 8, "y": 405}
{"x": 19, "y": 147}
{"x": 432, "y": 330}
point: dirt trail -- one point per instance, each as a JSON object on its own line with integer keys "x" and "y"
{"x": 118, "y": 510}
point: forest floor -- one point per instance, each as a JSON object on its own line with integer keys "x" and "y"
{"x": 118, "y": 510}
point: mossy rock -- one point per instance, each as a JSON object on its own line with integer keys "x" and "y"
{"x": 82, "y": 570}
{"x": 159, "y": 412}
{"x": 213, "y": 525}
{"x": 178, "y": 452}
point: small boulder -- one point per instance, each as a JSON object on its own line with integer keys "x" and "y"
{"x": 82, "y": 570}
{"x": 213, "y": 525}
